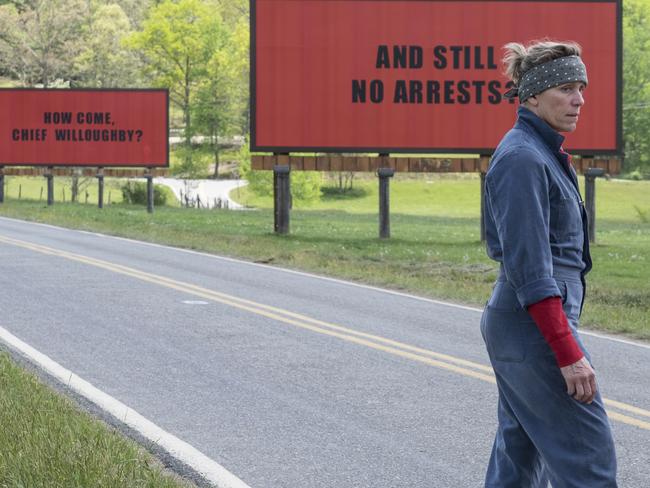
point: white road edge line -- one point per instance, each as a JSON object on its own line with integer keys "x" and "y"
{"x": 311, "y": 275}
{"x": 181, "y": 450}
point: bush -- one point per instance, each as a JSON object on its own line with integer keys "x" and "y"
{"x": 636, "y": 175}
{"x": 135, "y": 192}
{"x": 190, "y": 162}
{"x": 260, "y": 182}
{"x": 337, "y": 193}
{"x": 305, "y": 185}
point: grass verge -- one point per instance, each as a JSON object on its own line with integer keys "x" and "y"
{"x": 435, "y": 250}
{"x": 47, "y": 442}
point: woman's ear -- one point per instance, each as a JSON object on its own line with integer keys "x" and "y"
{"x": 533, "y": 101}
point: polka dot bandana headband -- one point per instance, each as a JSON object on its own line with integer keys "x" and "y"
{"x": 547, "y": 75}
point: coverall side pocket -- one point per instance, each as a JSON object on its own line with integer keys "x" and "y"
{"x": 504, "y": 334}
{"x": 563, "y": 290}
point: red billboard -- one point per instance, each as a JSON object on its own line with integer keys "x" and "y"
{"x": 53, "y": 127}
{"x": 417, "y": 76}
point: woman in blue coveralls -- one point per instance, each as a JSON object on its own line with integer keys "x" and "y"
{"x": 551, "y": 422}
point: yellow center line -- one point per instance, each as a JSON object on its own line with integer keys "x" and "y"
{"x": 628, "y": 420}
{"x": 231, "y": 300}
{"x": 626, "y": 407}
{"x": 425, "y": 356}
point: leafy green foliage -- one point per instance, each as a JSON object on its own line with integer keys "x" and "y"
{"x": 177, "y": 41}
{"x": 192, "y": 162}
{"x": 305, "y": 185}
{"x": 104, "y": 60}
{"x": 39, "y": 40}
{"x": 636, "y": 77}
{"x": 221, "y": 102}
{"x": 135, "y": 193}
{"x": 259, "y": 182}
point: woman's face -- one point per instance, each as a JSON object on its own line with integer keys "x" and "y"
{"x": 559, "y": 106}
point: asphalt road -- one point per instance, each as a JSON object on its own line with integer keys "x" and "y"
{"x": 285, "y": 379}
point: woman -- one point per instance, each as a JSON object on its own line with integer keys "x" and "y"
{"x": 552, "y": 424}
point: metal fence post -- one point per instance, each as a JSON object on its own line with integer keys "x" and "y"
{"x": 2, "y": 184}
{"x": 384, "y": 201}
{"x": 281, "y": 198}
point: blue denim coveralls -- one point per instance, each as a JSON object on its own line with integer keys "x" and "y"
{"x": 535, "y": 226}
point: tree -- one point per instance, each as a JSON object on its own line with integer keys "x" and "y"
{"x": 40, "y": 39}
{"x": 104, "y": 61}
{"x": 239, "y": 66}
{"x": 135, "y": 10}
{"x": 234, "y": 11}
{"x": 236, "y": 15}
{"x": 176, "y": 41}
{"x": 636, "y": 79}
{"x": 220, "y": 96}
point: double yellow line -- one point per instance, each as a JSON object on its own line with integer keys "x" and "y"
{"x": 407, "y": 351}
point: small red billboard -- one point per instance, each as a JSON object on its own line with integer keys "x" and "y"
{"x": 53, "y": 127}
{"x": 417, "y": 75}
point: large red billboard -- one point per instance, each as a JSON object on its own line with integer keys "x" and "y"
{"x": 52, "y": 127}
{"x": 417, "y": 76}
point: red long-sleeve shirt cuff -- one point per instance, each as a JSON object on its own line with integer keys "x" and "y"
{"x": 554, "y": 326}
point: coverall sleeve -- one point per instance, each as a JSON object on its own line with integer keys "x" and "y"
{"x": 517, "y": 195}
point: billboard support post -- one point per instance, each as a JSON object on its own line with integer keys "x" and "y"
{"x": 281, "y": 198}
{"x": 384, "y": 201}
{"x": 590, "y": 199}
{"x": 149, "y": 176}
{"x": 2, "y": 184}
{"x": 100, "y": 187}
{"x": 50, "y": 186}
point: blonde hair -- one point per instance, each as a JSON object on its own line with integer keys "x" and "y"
{"x": 519, "y": 58}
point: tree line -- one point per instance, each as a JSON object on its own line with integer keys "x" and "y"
{"x": 199, "y": 50}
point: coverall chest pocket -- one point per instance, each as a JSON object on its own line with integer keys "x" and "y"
{"x": 566, "y": 218}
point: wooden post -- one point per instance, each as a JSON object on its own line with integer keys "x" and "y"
{"x": 50, "y": 186}
{"x": 100, "y": 187}
{"x": 281, "y": 198}
{"x": 484, "y": 163}
{"x": 149, "y": 177}
{"x": 590, "y": 199}
{"x": 384, "y": 201}
{"x": 482, "y": 206}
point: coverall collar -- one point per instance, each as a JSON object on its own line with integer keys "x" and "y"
{"x": 550, "y": 136}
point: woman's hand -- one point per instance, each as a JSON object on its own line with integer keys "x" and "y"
{"x": 580, "y": 380}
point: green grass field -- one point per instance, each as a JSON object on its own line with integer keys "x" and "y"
{"x": 48, "y": 443}
{"x": 434, "y": 251}
{"x": 35, "y": 188}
